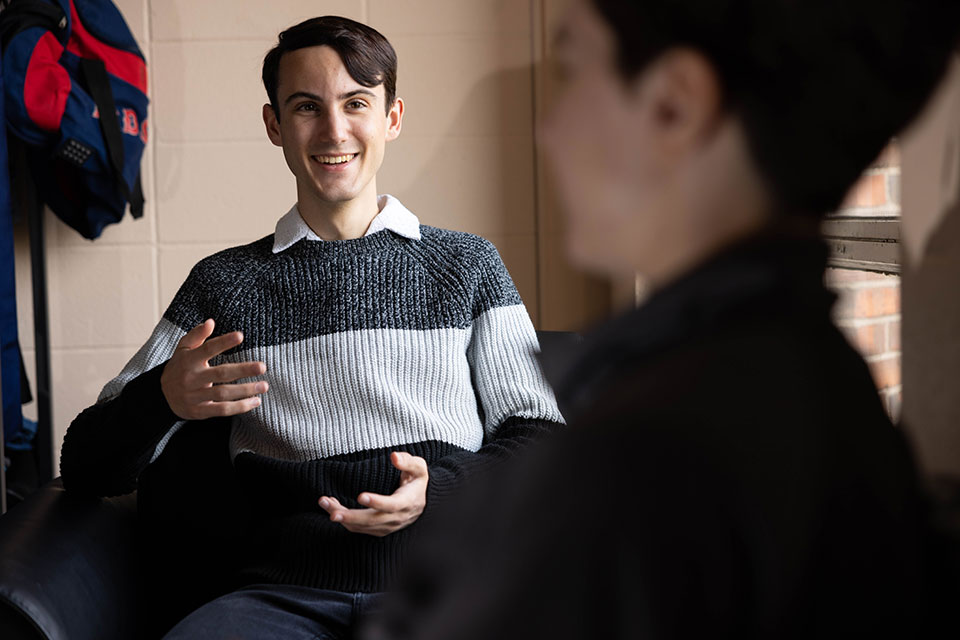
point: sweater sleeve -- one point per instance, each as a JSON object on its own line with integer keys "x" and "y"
{"x": 110, "y": 443}
{"x": 516, "y": 403}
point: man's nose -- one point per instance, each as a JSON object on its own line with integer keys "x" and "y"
{"x": 334, "y": 127}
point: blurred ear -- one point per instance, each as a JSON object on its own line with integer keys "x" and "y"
{"x": 395, "y": 120}
{"x": 272, "y": 124}
{"x": 681, "y": 98}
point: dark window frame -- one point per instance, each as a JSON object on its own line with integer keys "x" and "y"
{"x": 863, "y": 243}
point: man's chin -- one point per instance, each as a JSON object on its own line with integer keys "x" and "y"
{"x": 336, "y": 196}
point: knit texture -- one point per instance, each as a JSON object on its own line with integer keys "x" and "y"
{"x": 372, "y": 345}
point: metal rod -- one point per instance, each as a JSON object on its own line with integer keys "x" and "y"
{"x": 3, "y": 463}
{"x": 43, "y": 446}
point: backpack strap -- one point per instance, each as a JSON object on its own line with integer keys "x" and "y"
{"x": 24, "y": 14}
{"x": 98, "y": 86}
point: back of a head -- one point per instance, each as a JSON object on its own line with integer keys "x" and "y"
{"x": 820, "y": 86}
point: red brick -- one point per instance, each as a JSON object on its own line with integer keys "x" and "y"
{"x": 886, "y": 372}
{"x": 869, "y": 191}
{"x": 869, "y": 339}
{"x": 868, "y": 303}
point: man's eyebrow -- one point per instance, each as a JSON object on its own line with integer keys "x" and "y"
{"x": 357, "y": 92}
{"x": 316, "y": 98}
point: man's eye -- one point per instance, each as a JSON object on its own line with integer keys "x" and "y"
{"x": 357, "y": 104}
{"x": 307, "y": 106}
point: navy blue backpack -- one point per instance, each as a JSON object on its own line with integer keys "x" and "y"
{"x": 76, "y": 94}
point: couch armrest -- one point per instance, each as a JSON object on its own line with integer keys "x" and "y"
{"x": 68, "y": 566}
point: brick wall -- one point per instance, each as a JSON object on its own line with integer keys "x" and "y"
{"x": 868, "y": 313}
{"x": 868, "y": 304}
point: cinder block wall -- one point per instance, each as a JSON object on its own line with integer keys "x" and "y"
{"x": 466, "y": 160}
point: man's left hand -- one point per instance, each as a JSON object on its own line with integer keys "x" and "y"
{"x": 385, "y": 514}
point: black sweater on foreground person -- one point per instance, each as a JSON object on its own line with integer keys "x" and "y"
{"x": 729, "y": 471}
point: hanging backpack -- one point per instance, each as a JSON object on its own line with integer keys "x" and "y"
{"x": 76, "y": 95}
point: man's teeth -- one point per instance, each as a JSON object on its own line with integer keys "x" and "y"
{"x": 335, "y": 159}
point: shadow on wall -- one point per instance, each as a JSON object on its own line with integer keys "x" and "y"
{"x": 931, "y": 351}
{"x": 482, "y": 183}
{"x": 931, "y": 276}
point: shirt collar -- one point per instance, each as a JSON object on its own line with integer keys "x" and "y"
{"x": 393, "y": 216}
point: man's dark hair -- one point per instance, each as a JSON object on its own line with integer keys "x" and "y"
{"x": 820, "y": 86}
{"x": 367, "y": 55}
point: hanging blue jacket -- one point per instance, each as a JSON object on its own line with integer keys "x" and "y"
{"x": 9, "y": 352}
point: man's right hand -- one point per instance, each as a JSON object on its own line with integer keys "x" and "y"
{"x": 195, "y": 390}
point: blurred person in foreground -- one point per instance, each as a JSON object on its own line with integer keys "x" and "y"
{"x": 729, "y": 469}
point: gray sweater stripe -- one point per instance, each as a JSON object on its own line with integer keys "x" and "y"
{"x": 157, "y": 350}
{"x": 359, "y": 390}
{"x": 508, "y": 380}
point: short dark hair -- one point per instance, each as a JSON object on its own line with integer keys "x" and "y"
{"x": 820, "y": 86}
{"x": 367, "y": 55}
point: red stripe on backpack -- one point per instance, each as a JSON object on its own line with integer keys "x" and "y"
{"x": 47, "y": 85}
{"x": 127, "y": 66}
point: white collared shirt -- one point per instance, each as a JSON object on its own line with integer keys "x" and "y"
{"x": 393, "y": 216}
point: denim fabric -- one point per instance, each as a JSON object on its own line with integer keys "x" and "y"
{"x": 265, "y": 612}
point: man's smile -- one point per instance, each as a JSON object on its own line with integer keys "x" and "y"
{"x": 335, "y": 160}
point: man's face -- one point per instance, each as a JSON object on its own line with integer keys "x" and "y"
{"x": 598, "y": 144}
{"x": 332, "y": 129}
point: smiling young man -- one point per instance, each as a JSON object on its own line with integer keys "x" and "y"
{"x": 369, "y": 363}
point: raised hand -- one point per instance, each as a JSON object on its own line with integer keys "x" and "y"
{"x": 386, "y": 514}
{"x": 195, "y": 390}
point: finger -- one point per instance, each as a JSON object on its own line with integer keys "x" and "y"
{"x": 197, "y": 336}
{"x": 388, "y": 504}
{"x": 353, "y": 517}
{"x": 216, "y": 346}
{"x": 228, "y": 392}
{"x": 330, "y": 504}
{"x": 361, "y": 518}
{"x": 232, "y": 371}
{"x": 338, "y": 512}
{"x": 222, "y": 409}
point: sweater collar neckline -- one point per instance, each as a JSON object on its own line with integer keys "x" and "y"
{"x": 393, "y": 216}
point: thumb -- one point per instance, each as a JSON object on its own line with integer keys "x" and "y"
{"x": 198, "y": 335}
{"x": 414, "y": 465}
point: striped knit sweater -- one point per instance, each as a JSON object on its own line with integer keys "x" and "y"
{"x": 372, "y": 345}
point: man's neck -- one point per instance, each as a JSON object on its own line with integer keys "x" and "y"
{"x": 339, "y": 220}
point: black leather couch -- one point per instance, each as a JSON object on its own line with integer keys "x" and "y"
{"x": 77, "y": 568}
{"x": 67, "y": 566}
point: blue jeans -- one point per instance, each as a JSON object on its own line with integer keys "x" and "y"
{"x": 266, "y": 611}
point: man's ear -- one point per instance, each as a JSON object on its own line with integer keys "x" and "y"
{"x": 272, "y": 124}
{"x": 395, "y": 120}
{"x": 682, "y": 99}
